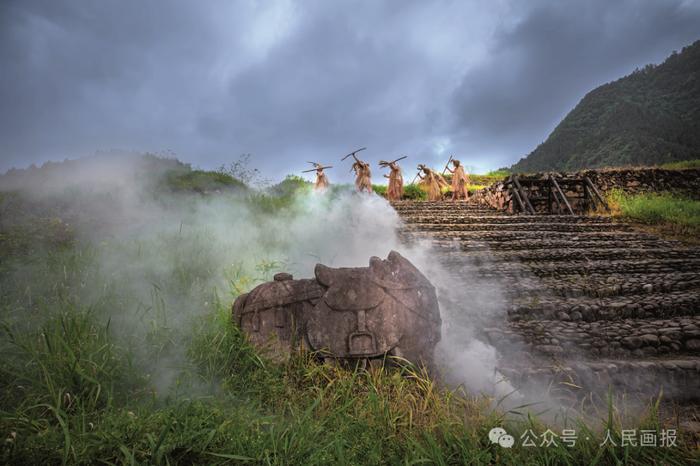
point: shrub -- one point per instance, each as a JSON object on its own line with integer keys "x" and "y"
{"x": 201, "y": 181}
{"x": 290, "y": 185}
{"x": 379, "y": 189}
{"x": 414, "y": 191}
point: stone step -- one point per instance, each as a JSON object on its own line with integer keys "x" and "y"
{"x": 447, "y": 207}
{"x": 531, "y": 227}
{"x": 589, "y": 303}
{"x": 593, "y": 285}
{"x": 481, "y": 257}
{"x": 543, "y": 243}
{"x": 421, "y": 217}
{"x": 628, "y": 338}
{"x": 509, "y": 271}
{"x": 444, "y": 214}
{"x": 426, "y": 203}
{"x": 584, "y": 308}
{"x": 677, "y": 377}
{"x": 600, "y": 286}
{"x": 508, "y": 236}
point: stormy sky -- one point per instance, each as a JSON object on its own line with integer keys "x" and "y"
{"x": 289, "y": 81}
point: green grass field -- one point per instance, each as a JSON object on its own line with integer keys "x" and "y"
{"x": 676, "y": 214}
{"x": 119, "y": 349}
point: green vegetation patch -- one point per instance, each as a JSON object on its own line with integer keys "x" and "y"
{"x": 379, "y": 189}
{"x": 491, "y": 177}
{"x": 681, "y": 215}
{"x": 410, "y": 191}
{"x": 684, "y": 165}
{"x": 414, "y": 191}
{"x": 201, "y": 181}
{"x": 644, "y": 119}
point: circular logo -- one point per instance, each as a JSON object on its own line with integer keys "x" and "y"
{"x": 496, "y": 433}
{"x": 506, "y": 441}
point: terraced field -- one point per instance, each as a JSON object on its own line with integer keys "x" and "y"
{"x": 589, "y": 302}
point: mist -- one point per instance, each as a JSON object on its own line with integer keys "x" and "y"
{"x": 159, "y": 263}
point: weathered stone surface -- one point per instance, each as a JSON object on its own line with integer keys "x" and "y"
{"x": 550, "y": 349}
{"x": 600, "y": 301}
{"x": 649, "y": 339}
{"x": 693, "y": 345}
{"x": 346, "y": 313}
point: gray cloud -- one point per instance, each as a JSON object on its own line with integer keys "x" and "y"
{"x": 289, "y": 81}
{"x": 542, "y": 65}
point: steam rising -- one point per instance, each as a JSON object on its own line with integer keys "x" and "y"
{"x": 162, "y": 261}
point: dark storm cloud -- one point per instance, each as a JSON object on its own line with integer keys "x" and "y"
{"x": 289, "y": 81}
{"x": 331, "y": 86}
{"x": 542, "y": 65}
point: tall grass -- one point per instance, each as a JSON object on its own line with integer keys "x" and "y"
{"x": 678, "y": 214}
{"x": 103, "y": 367}
{"x": 299, "y": 412}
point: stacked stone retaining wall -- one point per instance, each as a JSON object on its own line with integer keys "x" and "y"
{"x": 630, "y": 180}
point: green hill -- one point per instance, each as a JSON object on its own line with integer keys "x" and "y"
{"x": 147, "y": 171}
{"x": 650, "y": 117}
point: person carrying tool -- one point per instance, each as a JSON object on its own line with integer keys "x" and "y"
{"x": 363, "y": 175}
{"x": 432, "y": 181}
{"x": 460, "y": 181}
{"x": 394, "y": 191}
{"x": 322, "y": 182}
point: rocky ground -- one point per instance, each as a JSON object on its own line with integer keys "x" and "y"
{"x": 590, "y": 302}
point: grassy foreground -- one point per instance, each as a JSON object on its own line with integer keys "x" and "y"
{"x": 76, "y": 390}
{"x": 119, "y": 349}
{"x": 670, "y": 213}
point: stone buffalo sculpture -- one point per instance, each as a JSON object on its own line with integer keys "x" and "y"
{"x": 346, "y": 314}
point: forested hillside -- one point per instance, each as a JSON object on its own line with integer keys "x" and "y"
{"x": 650, "y": 117}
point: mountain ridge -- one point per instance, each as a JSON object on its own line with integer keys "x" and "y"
{"x": 648, "y": 117}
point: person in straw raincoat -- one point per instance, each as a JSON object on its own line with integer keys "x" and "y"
{"x": 432, "y": 181}
{"x": 363, "y": 176}
{"x": 460, "y": 181}
{"x": 322, "y": 182}
{"x": 394, "y": 192}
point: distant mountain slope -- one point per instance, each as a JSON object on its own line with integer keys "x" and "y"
{"x": 650, "y": 117}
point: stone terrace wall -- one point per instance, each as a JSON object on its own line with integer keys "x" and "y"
{"x": 630, "y": 180}
{"x": 686, "y": 182}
